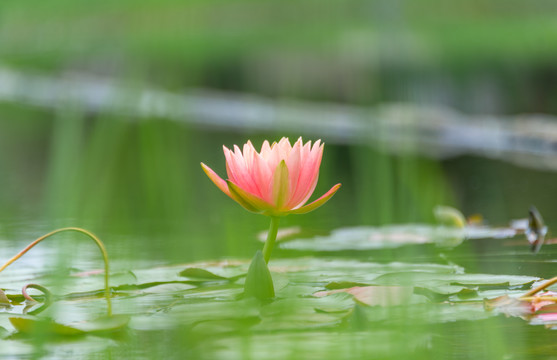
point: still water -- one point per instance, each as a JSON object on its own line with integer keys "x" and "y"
{"x": 138, "y": 186}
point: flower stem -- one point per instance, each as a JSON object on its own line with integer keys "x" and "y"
{"x": 540, "y": 288}
{"x": 538, "y": 298}
{"x": 83, "y": 231}
{"x": 271, "y": 237}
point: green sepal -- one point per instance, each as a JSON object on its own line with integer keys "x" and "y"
{"x": 281, "y": 185}
{"x": 259, "y": 283}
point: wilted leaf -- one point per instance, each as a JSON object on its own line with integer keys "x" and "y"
{"x": 4, "y": 301}
{"x": 508, "y": 306}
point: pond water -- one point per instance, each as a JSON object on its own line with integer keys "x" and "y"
{"x": 427, "y": 301}
{"x": 420, "y": 104}
{"x": 370, "y": 275}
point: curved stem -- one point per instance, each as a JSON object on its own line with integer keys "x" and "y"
{"x": 46, "y": 293}
{"x": 271, "y": 237}
{"x": 85, "y": 232}
{"x": 537, "y": 289}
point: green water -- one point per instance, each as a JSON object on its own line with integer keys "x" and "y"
{"x": 135, "y": 181}
{"x": 138, "y": 186}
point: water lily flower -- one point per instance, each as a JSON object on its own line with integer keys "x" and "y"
{"x": 276, "y": 181}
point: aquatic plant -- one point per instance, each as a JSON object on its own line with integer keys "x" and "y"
{"x": 277, "y": 181}
{"x": 97, "y": 241}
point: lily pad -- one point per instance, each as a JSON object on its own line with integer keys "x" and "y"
{"x": 202, "y": 274}
{"x": 103, "y": 324}
{"x": 394, "y": 236}
{"x": 320, "y": 272}
{"x": 369, "y": 238}
{"x": 30, "y": 325}
{"x": 376, "y": 295}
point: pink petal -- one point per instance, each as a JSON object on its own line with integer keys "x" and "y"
{"x": 284, "y": 148}
{"x": 304, "y": 158}
{"x": 293, "y": 162}
{"x": 308, "y": 195}
{"x": 221, "y": 184}
{"x": 547, "y": 317}
{"x": 262, "y": 176}
{"x": 308, "y": 176}
{"x": 317, "y": 203}
{"x": 273, "y": 158}
{"x": 242, "y": 176}
{"x": 229, "y": 169}
{"x": 249, "y": 154}
{"x": 265, "y": 150}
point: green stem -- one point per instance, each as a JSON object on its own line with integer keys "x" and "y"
{"x": 271, "y": 237}
{"x": 83, "y": 231}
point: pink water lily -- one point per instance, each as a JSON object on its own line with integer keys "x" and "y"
{"x": 276, "y": 181}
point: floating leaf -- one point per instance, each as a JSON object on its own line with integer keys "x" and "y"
{"x": 369, "y": 238}
{"x": 439, "y": 287}
{"x": 198, "y": 273}
{"x": 342, "y": 285}
{"x": 376, "y": 295}
{"x": 320, "y": 272}
{"x": 103, "y": 324}
{"x": 192, "y": 314}
{"x": 470, "y": 280}
{"x": 295, "y": 313}
{"x": 30, "y": 325}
